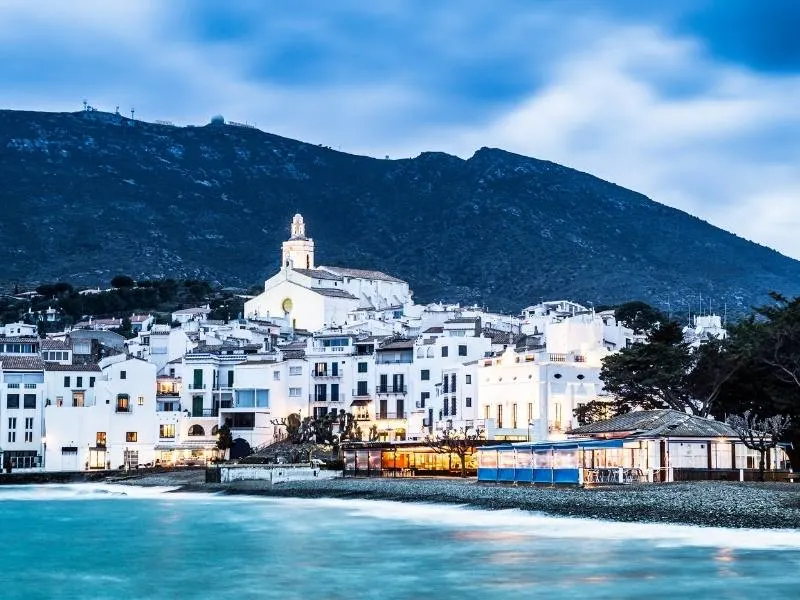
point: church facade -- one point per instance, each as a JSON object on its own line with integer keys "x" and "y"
{"x": 314, "y": 297}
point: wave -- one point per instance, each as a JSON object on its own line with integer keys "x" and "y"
{"x": 79, "y": 491}
{"x": 518, "y": 522}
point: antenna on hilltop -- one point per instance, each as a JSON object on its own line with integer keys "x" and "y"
{"x": 85, "y": 104}
{"x": 133, "y": 112}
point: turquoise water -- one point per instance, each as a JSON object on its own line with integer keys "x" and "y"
{"x": 94, "y": 541}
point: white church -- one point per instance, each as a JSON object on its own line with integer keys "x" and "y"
{"x": 314, "y": 297}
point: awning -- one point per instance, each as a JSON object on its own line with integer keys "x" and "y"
{"x": 360, "y": 402}
{"x": 559, "y": 445}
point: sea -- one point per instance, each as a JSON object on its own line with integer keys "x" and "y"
{"x": 99, "y": 541}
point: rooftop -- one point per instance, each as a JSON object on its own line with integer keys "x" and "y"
{"x": 334, "y": 293}
{"x": 25, "y": 363}
{"x": 363, "y": 274}
{"x": 658, "y": 423}
{"x": 89, "y": 367}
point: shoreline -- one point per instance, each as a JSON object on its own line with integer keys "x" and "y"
{"x": 707, "y": 504}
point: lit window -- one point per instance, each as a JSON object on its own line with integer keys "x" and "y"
{"x": 132, "y": 436}
{"x": 166, "y": 431}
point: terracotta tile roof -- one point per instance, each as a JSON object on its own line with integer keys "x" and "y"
{"x": 434, "y": 330}
{"x": 334, "y": 293}
{"x": 89, "y": 367}
{"x": 289, "y": 354}
{"x": 658, "y": 423}
{"x": 50, "y": 344}
{"x": 363, "y": 274}
{"x": 464, "y": 320}
{"x": 25, "y": 339}
{"x": 26, "y": 363}
{"x": 319, "y": 274}
{"x": 397, "y": 345}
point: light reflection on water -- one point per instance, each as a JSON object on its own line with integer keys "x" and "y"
{"x": 149, "y": 545}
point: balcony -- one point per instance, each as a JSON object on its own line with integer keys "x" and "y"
{"x": 169, "y": 406}
{"x": 205, "y": 413}
{"x": 387, "y": 416}
{"x": 123, "y": 409}
{"x": 358, "y": 394}
{"x": 326, "y": 398}
{"x": 197, "y": 386}
{"x": 325, "y": 375}
{"x": 391, "y": 389}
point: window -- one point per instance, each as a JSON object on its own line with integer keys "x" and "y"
{"x": 445, "y": 351}
{"x": 140, "y": 401}
{"x": 468, "y": 402}
{"x": 12, "y": 422}
{"x": 425, "y": 375}
{"x": 132, "y": 437}
{"x": 321, "y": 369}
{"x": 78, "y": 399}
{"x": 514, "y": 415}
{"x": 469, "y": 379}
{"x": 91, "y": 382}
{"x": 29, "y": 423}
{"x": 123, "y": 403}
{"x": 196, "y": 430}
{"x": 486, "y": 412}
{"x": 12, "y": 437}
{"x": 335, "y": 369}
{"x": 276, "y": 375}
{"x": 100, "y": 439}
{"x": 453, "y": 406}
{"x": 294, "y": 371}
{"x": 295, "y": 392}
{"x": 557, "y": 376}
{"x": 12, "y": 401}
{"x": 66, "y": 381}
{"x": 28, "y": 436}
{"x": 166, "y": 431}
{"x": 499, "y": 416}
{"x": 362, "y": 367}
{"x": 462, "y": 349}
{"x": 29, "y": 401}
{"x": 423, "y": 398}
{"x": 243, "y": 421}
{"x": 59, "y": 400}
{"x": 530, "y": 412}
{"x": 123, "y": 374}
{"x": 79, "y": 382}
{"x": 581, "y": 376}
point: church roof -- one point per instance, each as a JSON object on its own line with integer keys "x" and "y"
{"x": 363, "y": 274}
{"x": 334, "y": 293}
{"x": 319, "y": 274}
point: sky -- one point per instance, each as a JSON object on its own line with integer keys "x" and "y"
{"x": 694, "y": 103}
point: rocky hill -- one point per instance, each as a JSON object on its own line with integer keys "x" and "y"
{"x": 88, "y": 195}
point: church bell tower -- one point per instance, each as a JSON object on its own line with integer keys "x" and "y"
{"x": 298, "y": 250}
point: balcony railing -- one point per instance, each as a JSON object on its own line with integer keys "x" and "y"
{"x": 206, "y": 412}
{"x": 389, "y": 415}
{"x": 197, "y": 386}
{"x": 361, "y": 394}
{"x": 120, "y": 408}
{"x": 325, "y": 374}
{"x": 391, "y": 389}
{"x": 326, "y": 398}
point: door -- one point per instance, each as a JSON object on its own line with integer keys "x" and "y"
{"x": 335, "y": 392}
{"x": 197, "y": 406}
{"x": 383, "y": 385}
{"x": 197, "y": 382}
{"x": 362, "y": 389}
{"x": 383, "y": 410}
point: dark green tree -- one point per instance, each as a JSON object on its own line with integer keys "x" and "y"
{"x": 224, "y": 439}
{"x": 640, "y": 316}
{"x": 122, "y": 282}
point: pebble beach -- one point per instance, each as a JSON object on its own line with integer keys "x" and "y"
{"x": 713, "y": 504}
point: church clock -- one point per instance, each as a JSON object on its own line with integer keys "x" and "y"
{"x": 287, "y": 305}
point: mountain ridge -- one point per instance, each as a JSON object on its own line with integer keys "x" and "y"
{"x": 88, "y": 195}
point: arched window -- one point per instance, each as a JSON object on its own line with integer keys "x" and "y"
{"x": 196, "y": 430}
{"x": 214, "y": 430}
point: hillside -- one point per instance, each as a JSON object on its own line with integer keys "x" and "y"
{"x": 89, "y": 195}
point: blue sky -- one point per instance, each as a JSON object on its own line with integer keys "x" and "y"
{"x": 696, "y": 104}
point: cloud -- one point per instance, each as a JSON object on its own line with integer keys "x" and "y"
{"x": 712, "y": 153}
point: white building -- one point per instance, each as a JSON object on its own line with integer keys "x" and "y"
{"x": 104, "y": 423}
{"x": 314, "y": 297}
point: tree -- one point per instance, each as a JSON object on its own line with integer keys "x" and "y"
{"x": 225, "y": 439}
{"x": 41, "y": 328}
{"x": 667, "y": 373}
{"x": 759, "y": 434}
{"x": 640, "y": 316}
{"x": 461, "y": 442}
{"x": 122, "y": 282}
{"x": 125, "y": 329}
